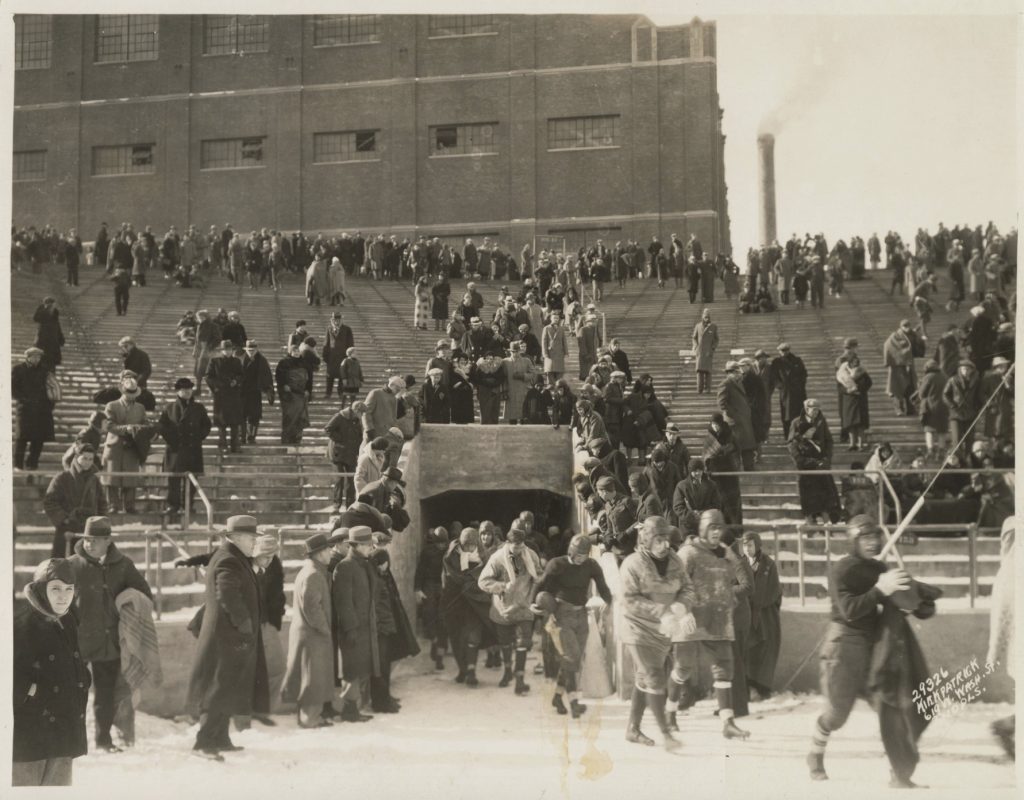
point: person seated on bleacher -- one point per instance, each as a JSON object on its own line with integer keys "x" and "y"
{"x": 186, "y": 330}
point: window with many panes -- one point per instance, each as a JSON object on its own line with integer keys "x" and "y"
{"x": 231, "y": 153}
{"x": 124, "y": 159}
{"x": 224, "y": 34}
{"x": 333, "y": 148}
{"x": 127, "y": 37}
{"x": 33, "y": 37}
{"x": 461, "y": 140}
{"x": 461, "y": 24}
{"x": 30, "y": 165}
{"x": 577, "y": 132}
{"x": 335, "y": 29}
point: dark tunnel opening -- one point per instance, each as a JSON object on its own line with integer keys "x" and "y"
{"x": 500, "y": 508}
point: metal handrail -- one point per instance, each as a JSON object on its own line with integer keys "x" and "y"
{"x": 193, "y": 481}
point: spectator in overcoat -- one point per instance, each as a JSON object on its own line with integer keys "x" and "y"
{"x": 33, "y": 409}
{"x": 49, "y": 336}
{"x": 50, "y": 680}
{"x": 184, "y": 426}
{"x": 353, "y": 590}
{"x": 229, "y": 676}
{"x": 74, "y": 496}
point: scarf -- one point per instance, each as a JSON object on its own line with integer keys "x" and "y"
{"x": 847, "y": 377}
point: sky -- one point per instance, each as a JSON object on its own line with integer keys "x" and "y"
{"x": 881, "y": 121}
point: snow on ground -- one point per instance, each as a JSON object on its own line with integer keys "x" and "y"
{"x": 453, "y": 742}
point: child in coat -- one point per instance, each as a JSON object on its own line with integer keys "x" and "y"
{"x": 351, "y": 377}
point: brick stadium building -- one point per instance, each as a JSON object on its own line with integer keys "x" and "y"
{"x": 510, "y": 126}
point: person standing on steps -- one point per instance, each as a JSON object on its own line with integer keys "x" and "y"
{"x": 735, "y": 406}
{"x": 49, "y": 336}
{"x": 184, "y": 426}
{"x": 901, "y": 348}
{"x": 229, "y": 674}
{"x": 705, "y": 342}
{"x": 658, "y": 602}
{"x": 870, "y": 644}
{"x": 293, "y": 387}
{"x": 337, "y": 341}
{"x": 126, "y": 434}
{"x": 30, "y": 391}
{"x": 509, "y": 577}
{"x": 720, "y": 582}
{"x": 225, "y": 378}
{"x": 257, "y": 383}
{"x": 102, "y": 572}
{"x": 788, "y": 376}
{"x": 566, "y": 581}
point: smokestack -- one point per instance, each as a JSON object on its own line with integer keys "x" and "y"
{"x": 766, "y": 168}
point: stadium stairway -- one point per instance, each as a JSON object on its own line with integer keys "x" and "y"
{"x": 290, "y": 486}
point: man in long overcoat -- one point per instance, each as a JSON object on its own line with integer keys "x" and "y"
{"x": 705, "y": 341}
{"x": 229, "y": 676}
{"x": 735, "y": 407}
{"x": 353, "y": 589}
{"x": 257, "y": 383}
{"x": 34, "y": 410}
{"x": 901, "y": 348}
{"x": 309, "y": 681}
{"x": 554, "y": 348}
{"x": 788, "y": 375}
{"x": 337, "y": 341}
{"x": 224, "y": 378}
{"x": 49, "y": 336}
{"x": 207, "y": 338}
{"x": 184, "y": 425}
{"x": 345, "y": 435}
{"x": 520, "y": 376}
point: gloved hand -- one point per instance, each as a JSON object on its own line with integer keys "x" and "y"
{"x": 420, "y": 596}
{"x": 893, "y": 581}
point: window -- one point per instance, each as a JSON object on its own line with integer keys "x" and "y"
{"x": 228, "y": 35}
{"x": 461, "y": 25}
{"x": 334, "y": 148}
{"x": 128, "y": 159}
{"x": 578, "y": 132}
{"x": 231, "y": 153}
{"x": 30, "y": 165}
{"x": 33, "y": 34}
{"x": 330, "y": 30}
{"x": 709, "y": 41}
{"x": 127, "y": 37}
{"x": 461, "y": 140}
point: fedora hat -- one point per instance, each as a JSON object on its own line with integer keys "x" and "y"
{"x": 315, "y": 543}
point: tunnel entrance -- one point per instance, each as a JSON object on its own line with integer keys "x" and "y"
{"x": 500, "y": 507}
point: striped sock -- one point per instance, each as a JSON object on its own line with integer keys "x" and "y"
{"x": 819, "y": 739}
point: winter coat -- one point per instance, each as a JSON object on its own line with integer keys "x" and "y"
{"x": 999, "y": 415}
{"x": 588, "y": 340}
{"x": 899, "y": 352}
{"x": 818, "y": 493}
{"x": 353, "y": 589}
{"x": 765, "y": 638}
{"x": 119, "y": 455}
{"x": 962, "y": 398}
{"x": 554, "y": 348}
{"x": 184, "y": 426}
{"x": 381, "y": 411}
{"x": 663, "y": 483}
{"x": 947, "y": 353}
{"x": 519, "y": 374}
{"x": 229, "y": 674}
{"x": 462, "y": 400}
{"x": 351, "y": 375}
{"x": 788, "y": 375}
{"x": 511, "y": 592}
{"x": 32, "y": 404}
{"x": 934, "y": 413}
{"x": 694, "y": 496}
{"x": 224, "y": 377}
{"x": 318, "y": 284}
{"x": 97, "y": 585}
{"x": 719, "y": 582}
{"x": 755, "y": 385}
{"x": 345, "y": 435}
{"x": 461, "y": 594}
{"x": 854, "y": 410}
{"x": 400, "y": 634}
{"x": 732, "y": 400}
{"x": 440, "y": 292}
{"x": 257, "y": 383}
{"x": 309, "y": 679}
{"x": 72, "y": 497}
{"x": 645, "y": 595}
{"x": 337, "y": 341}
{"x": 49, "y": 336}
{"x": 437, "y": 403}
{"x": 51, "y": 685}
{"x": 705, "y": 342}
